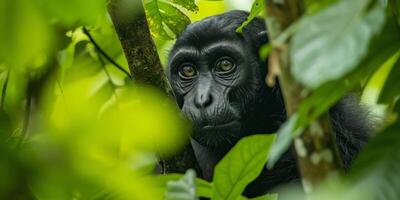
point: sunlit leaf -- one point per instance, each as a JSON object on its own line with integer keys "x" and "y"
{"x": 257, "y": 7}
{"x": 324, "y": 49}
{"x": 391, "y": 89}
{"x": 67, "y": 55}
{"x": 155, "y": 20}
{"x": 187, "y": 4}
{"x": 175, "y": 19}
{"x": 240, "y": 166}
{"x": 161, "y": 15}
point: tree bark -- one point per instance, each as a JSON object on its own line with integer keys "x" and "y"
{"x": 130, "y": 23}
{"x": 315, "y": 148}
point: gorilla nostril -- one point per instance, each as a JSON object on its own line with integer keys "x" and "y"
{"x": 203, "y": 100}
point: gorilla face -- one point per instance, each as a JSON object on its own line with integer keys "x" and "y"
{"x": 218, "y": 80}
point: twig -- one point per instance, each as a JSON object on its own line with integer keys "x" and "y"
{"x": 4, "y": 90}
{"x": 103, "y": 53}
{"x": 27, "y": 115}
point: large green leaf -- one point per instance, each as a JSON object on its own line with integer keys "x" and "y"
{"x": 330, "y": 44}
{"x": 241, "y": 166}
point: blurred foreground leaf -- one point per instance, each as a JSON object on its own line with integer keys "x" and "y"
{"x": 182, "y": 189}
{"x": 203, "y": 188}
{"x": 324, "y": 49}
{"x": 65, "y": 12}
{"x": 25, "y": 36}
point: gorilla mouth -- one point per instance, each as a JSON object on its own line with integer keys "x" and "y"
{"x": 225, "y": 126}
{"x": 218, "y": 135}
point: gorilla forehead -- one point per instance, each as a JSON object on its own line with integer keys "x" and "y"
{"x": 212, "y": 29}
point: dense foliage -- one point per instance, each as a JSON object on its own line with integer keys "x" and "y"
{"x": 73, "y": 124}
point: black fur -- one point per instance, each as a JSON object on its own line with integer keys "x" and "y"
{"x": 244, "y": 98}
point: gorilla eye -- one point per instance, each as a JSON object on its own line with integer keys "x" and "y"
{"x": 187, "y": 71}
{"x": 224, "y": 65}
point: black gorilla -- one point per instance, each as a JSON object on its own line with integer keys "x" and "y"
{"x": 218, "y": 80}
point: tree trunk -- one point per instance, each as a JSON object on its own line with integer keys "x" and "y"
{"x": 130, "y": 23}
{"x": 316, "y": 150}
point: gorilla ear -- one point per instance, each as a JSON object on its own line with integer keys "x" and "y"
{"x": 262, "y": 37}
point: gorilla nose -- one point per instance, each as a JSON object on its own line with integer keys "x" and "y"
{"x": 203, "y": 100}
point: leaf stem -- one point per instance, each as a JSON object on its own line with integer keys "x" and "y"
{"x": 103, "y": 53}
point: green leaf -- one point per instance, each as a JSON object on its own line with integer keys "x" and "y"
{"x": 241, "y": 166}
{"x": 257, "y": 7}
{"x": 285, "y": 137}
{"x": 265, "y": 50}
{"x": 187, "y": 4}
{"x": 330, "y": 44}
{"x": 161, "y": 15}
{"x": 155, "y": 20}
{"x": 391, "y": 89}
{"x": 175, "y": 19}
{"x": 182, "y": 189}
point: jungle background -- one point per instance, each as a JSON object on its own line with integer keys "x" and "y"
{"x": 74, "y": 123}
